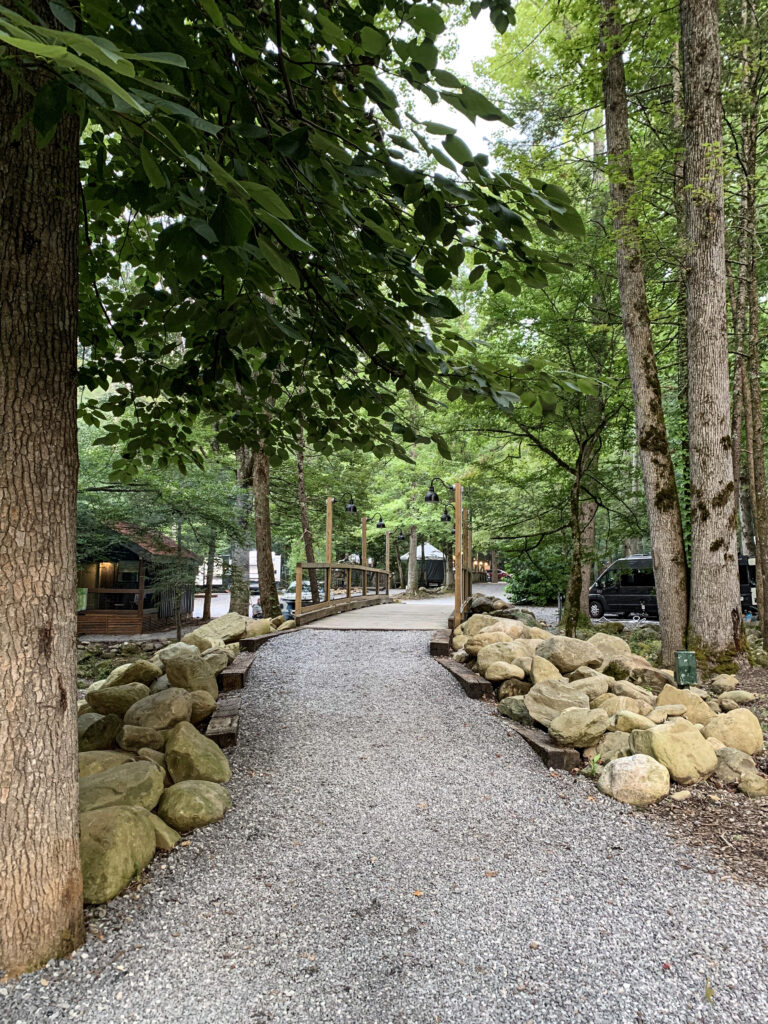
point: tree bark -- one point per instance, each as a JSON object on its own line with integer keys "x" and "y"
{"x": 450, "y": 581}
{"x": 714, "y": 597}
{"x": 399, "y": 565}
{"x": 270, "y": 603}
{"x": 240, "y": 554}
{"x": 588, "y": 517}
{"x": 760, "y": 497}
{"x": 306, "y": 530}
{"x": 209, "y": 579}
{"x": 412, "y": 586}
{"x": 661, "y": 499}
{"x": 42, "y": 913}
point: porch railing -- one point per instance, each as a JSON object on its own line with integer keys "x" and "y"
{"x": 373, "y": 582}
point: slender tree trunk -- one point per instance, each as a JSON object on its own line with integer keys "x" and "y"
{"x": 306, "y": 531}
{"x": 240, "y": 586}
{"x": 449, "y": 576}
{"x": 588, "y": 517}
{"x": 570, "y": 617}
{"x": 41, "y": 888}
{"x": 714, "y": 597}
{"x": 760, "y": 499}
{"x": 399, "y": 565}
{"x": 661, "y": 498}
{"x": 270, "y": 603}
{"x": 413, "y": 563}
{"x": 209, "y": 579}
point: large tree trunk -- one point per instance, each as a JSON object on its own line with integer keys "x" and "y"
{"x": 714, "y": 570}
{"x": 681, "y": 330}
{"x": 588, "y": 517}
{"x": 270, "y": 603}
{"x": 570, "y": 616}
{"x": 240, "y": 586}
{"x": 209, "y": 579}
{"x": 306, "y": 530}
{"x": 412, "y": 586}
{"x": 661, "y": 498}
{"x": 42, "y": 912}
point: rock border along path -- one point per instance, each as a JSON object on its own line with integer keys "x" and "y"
{"x": 394, "y": 857}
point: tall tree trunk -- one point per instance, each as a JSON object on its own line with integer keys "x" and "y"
{"x": 588, "y": 517}
{"x": 412, "y": 586}
{"x": 681, "y": 331}
{"x": 661, "y": 499}
{"x": 570, "y": 615}
{"x": 714, "y": 598}
{"x": 760, "y": 498}
{"x": 209, "y": 579}
{"x": 306, "y": 531}
{"x": 399, "y": 564}
{"x": 240, "y": 586}
{"x": 450, "y": 581}
{"x": 270, "y": 603}
{"x": 42, "y": 912}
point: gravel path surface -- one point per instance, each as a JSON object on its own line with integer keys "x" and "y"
{"x": 394, "y": 857}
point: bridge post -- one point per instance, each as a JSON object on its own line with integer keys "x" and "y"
{"x": 329, "y": 529}
{"x": 297, "y": 606}
{"x": 364, "y": 559}
{"x": 458, "y": 575}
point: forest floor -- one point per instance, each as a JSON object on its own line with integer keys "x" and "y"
{"x": 396, "y": 856}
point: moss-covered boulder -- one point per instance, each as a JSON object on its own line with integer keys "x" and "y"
{"x": 135, "y": 737}
{"x": 193, "y": 804}
{"x": 116, "y": 843}
{"x": 90, "y": 762}
{"x": 97, "y": 732}
{"x": 739, "y": 729}
{"x": 203, "y": 705}
{"x": 115, "y": 700}
{"x": 187, "y": 670}
{"x": 141, "y": 671}
{"x": 190, "y": 755}
{"x": 135, "y": 784}
{"x": 161, "y": 710}
{"x": 165, "y": 836}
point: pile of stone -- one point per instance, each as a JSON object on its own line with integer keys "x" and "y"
{"x": 147, "y": 772}
{"x": 636, "y": 730}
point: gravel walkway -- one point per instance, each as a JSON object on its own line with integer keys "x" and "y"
{"x": 394, "y": 857}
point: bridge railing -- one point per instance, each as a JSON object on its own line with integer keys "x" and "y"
{"x": 337, "y": 582}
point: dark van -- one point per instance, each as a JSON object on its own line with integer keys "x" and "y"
{"x": 627, "y": 588}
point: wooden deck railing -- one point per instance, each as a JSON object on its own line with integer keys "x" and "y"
{"x": 377, "y": 578}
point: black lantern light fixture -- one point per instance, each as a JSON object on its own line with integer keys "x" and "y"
{"x": 381, "y": 525}
{"x": 350, "y": 505}
{"x": 431, "y": 496}
{"x": 401, "y": 535}
{"x": 445, "y": 517}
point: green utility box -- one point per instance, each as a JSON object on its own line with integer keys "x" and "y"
{"x": 685, "y": 669}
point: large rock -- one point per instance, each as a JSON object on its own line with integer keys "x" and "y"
{"x": 578, "y": 727}
{"x": 116, "y": 843}
{"x": 187, "y": 670}
{"x": 203, "y": 705}
{"x": 482, "y": 639}
{"x": 217, "y": 658}
{"x": 638, "y": 670}
{"x": 623, "y": 688}
{"x": 754, "y": 785}
{"x": 738, "y": 697}
{"x": 567, "y": 653}
{"x": 498, "y": 671}
{"x": 732, "y": 765}
{"x": 475, "y": 623}
{"x": 257, "y": 627}
{"x": 612, "y": 704}
{"x": 723, "y": 683}
{"x": 612, "y": 745}
{"x": 97, "y": 732}
{"x": 141, "y": 671}
{"x": 513, "y": 688}
{"x": 165, "y": 836}
{"x": 514, "y": 708}
{"x": 161, "y": 710}
{"x": 190, "y": 755}
{"x": 638, "y": 780}
{"x": 739, "y": 728}
{"x": 226, "y": 628}
{"x": 680, "y": 747}
{"x": 115, "y": 700}
{"x": 136, "y": 784}
{"x": 91, "y": 762}
{"x": 610, "y": 645}
{"x": 508, "y": 652}
{"x": 628, "y": 721}
{"x": 134, "y": 737}
{"x": 696, "y": 709}
{"x": 193, "y": 804}
{"x": 594, "y": 686}
{"x": 542, "y": 671}
{"x": 545, "y": 701}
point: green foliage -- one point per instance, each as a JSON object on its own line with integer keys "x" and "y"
{"x": 538, "y": 577}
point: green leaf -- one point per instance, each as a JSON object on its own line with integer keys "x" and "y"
{"x": 63, "y": 15}
{"x": 447, "y": 80}
{"x": 151, "y": 169}
{"x": 287, "y": 236}
{"x": 373, "y": 41}
{"x": 426, "y": 54}
{"x": 213, "y": 11}
{"x": 230, "y": 222}
{"x": 428, "y": 217}
{"x": 426, "y": 17}
{"x": 48, "y": 51}
{"x": 459, "y": 150}
{"x": 267, "y": 199}
{"x": 282, "y": 266}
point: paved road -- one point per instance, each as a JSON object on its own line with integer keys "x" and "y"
{"x": 395, "y": 857}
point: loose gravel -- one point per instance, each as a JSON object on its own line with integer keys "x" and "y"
{"x": 395, "y": 857}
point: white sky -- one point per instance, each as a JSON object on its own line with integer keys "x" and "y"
{"x": 475, "y": 42}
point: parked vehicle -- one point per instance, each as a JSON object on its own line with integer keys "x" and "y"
{"x": 627, "y": 588}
